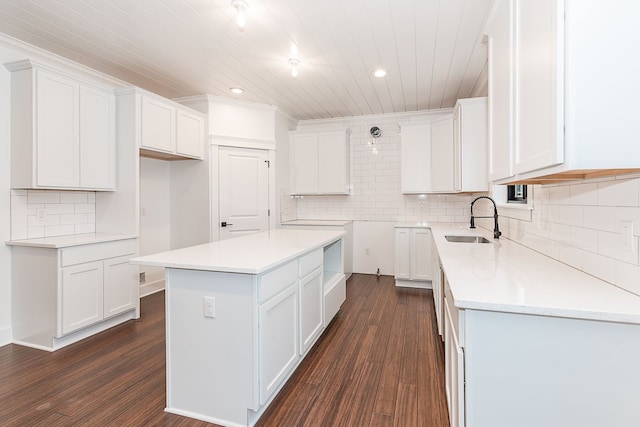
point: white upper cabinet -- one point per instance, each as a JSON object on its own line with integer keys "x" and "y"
{"x": 158, "y": 125}
{"x": 62, "y": 131}
{"x": 415, "y": 158}
{"x": 470, "y": 145}
{"x": 190, "y": 134}
{"x": 97, "y": 137}
{"x": 163, "y": 128}
{"x": 500, "y": 47}
{"x": 442, "y": 156}
{"x": 539, "y": 30}
{"x": 447, "y": 154}
{"x": 319, "y": 162}
{"x": 561, "y": 95}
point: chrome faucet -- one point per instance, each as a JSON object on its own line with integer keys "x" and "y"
{"x": 496, "y": 229}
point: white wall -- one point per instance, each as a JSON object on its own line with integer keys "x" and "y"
{"x": 154, "y": 213}
{"x": 286, "y": 207}
{"x": 5, "y": 211}
{"x": 579, "y": 224}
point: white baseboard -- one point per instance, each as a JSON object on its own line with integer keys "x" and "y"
{"x": 414, "y": 284}
{"x": 151, "y": 288}
{"x": 5, "y": 336}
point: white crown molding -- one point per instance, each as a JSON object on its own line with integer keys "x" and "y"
{"x": 229, "y": 141}
{"x": 53, "y": 60}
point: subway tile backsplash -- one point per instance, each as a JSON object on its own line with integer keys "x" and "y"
{"x": 48, "y": 213}
{"x": 582, "y": 224}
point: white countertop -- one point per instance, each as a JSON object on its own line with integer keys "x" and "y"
{"x": 338, "y": 222}
{"x": 412, "y": 225}
{"x": 70, "y": 240}
{"x": 250, "y": 254}
{"x": 506, "y": 276}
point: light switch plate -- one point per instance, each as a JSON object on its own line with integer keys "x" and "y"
{"x": 210, "y": 307}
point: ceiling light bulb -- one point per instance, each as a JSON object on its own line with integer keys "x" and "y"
{"x": 240, "y": 6}
{"x": 380, "y": 72}
{"x": 237, "y": 90}
{"x": 294, "y": 67}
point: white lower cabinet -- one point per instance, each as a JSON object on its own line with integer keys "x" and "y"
{"x": 278, "y": 340}
{"x": 311, "y": 302}
{"x": 60, "y": 296}
{"x": 82, "y": 295}
{"x": 454, "y": 365}
{"x": 413, "y": 263}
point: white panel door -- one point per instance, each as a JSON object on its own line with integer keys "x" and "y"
{"x": 244, "y": 191}
{"x": 278, "y": 340}
{"x": 97, "y": 138}
{"x": 539, "y": 84}
{"x": 82, "y": 297}
{"x": 57, "y": 131}
{"x": 119, "y": 286}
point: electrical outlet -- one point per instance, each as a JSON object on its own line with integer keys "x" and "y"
{"x": 41, "y": 214}
{"x": 209, "y": 307}
{"x": 143, "y": 277}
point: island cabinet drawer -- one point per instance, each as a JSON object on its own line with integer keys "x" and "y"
{"x": 97, "y": 251}
{"x": 269, "y": 284}
{"x": 310, "y": 262}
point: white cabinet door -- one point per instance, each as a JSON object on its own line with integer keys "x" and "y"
{"x": 82, "y": 295}
{"x": 278, "y": 340}
{"x": 403, "y": 253}
{"x": 57, "y": 135}
{"x": 119, "y": 286}
{"x": 442, "y": 156}
{"x": 305, "y": 164}
{"x": 97, "y": 138}
{"x": 436, "y": 285}
{"x": 421, "y": 263}
{"x": 539, "y": 84}
{"x": 500, "y": 48}
{"x": 470, "y": 145}
{"x": 415, "y": 153}
{"x": 158, "y": 125}
{"x": 333, "y": 166}
{"x": 454, "y": 372}
{"x": 311, "y": 298}
{"x": 189, "y": 134}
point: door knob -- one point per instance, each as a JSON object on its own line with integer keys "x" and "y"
{"x": 224, "y": 224}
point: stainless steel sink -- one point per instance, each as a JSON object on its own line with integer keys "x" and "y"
{"x": 467, "y": 239}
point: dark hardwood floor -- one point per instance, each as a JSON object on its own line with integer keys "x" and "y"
{"x": 379, "y": 363}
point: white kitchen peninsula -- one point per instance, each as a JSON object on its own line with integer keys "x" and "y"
{"x": 242, "y": 314}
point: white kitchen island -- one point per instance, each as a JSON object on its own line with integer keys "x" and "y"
{"x": 242, "y": 314}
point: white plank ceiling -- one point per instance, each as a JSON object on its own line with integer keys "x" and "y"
{"x": 433, "y": 50}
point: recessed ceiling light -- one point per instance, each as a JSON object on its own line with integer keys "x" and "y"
{"x": 241, "y": 6}
{"x": 294, "y": 62}
{"x": 380, "y": 72}
{"x": 237, "y": 90}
